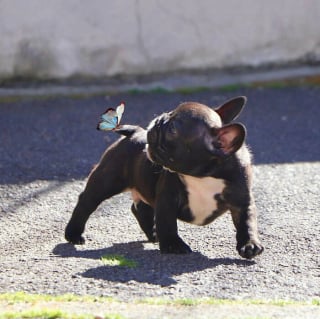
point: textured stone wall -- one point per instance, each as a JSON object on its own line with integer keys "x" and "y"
{"x": 61, "y": 38}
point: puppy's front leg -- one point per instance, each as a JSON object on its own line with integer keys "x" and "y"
{"x": 166, "y": 213}
{"x": 245, "y": 221}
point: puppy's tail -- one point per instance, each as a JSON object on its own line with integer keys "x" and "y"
{"x": 127, "y": 130}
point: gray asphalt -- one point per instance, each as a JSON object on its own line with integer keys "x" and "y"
{"x": 48, "y": 146}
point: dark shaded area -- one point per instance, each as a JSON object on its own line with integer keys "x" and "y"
{"x": 159, "y": 270}
{"x": 56, "y": 139}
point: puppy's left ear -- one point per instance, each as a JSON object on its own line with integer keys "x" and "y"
{"x": 231, "y": 109}
{"x": 230, "y": 138}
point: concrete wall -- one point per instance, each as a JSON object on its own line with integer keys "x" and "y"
{"x": 61, "y": 38}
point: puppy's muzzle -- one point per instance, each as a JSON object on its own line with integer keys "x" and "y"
{"x": 156, "y": 147}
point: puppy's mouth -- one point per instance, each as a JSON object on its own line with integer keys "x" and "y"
{"x": 155, "y": 148}
{"x": 157, "y": 156}
{"x": 159, "y": 159}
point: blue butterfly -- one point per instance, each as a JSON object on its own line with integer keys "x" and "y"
{"x": 110, "y": 119}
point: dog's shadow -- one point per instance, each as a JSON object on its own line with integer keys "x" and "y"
{"x": 150, "y": 266}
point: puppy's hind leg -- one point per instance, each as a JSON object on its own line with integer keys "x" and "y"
{"x": 145, "y": 217}
{"x": 102, "y": 184}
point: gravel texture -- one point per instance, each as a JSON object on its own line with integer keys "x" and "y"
{"x": 48, "y": 146}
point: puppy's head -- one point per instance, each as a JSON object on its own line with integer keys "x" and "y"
{"x": 193, "y": 138}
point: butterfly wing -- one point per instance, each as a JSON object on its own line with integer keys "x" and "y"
{"x": 109, "y": 120}
{"x": 104, "y": 126}
{"x": 120, "y": 110}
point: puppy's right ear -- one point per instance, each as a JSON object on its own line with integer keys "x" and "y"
{"x": 230, "y": 110}
{"x": 231, "y": 137}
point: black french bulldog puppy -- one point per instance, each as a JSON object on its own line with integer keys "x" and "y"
{"x": 190, "y": 164}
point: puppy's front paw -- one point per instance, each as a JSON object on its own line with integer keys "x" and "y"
{"x": 152, "y": 237}
{"x": 250, "y": 249}
{"x": 73, "y": 237}
{"x": 174, "y": 246}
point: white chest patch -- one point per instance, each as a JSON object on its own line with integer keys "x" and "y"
{"x": 201, "y": 196}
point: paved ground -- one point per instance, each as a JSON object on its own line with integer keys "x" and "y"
{"x": 48, "y": 146}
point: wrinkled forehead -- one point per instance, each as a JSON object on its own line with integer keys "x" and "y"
{"x": 196, "y": 113}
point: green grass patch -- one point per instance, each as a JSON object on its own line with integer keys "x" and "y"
{"x": 309, "y": 81}
{"x": 42, "y": 313}
{"x": 10, "y": 99}
{"x": 118, "y": 260}
{"x": 32, "y": 306}
{"x": 53, "y": 314}
{"x": 316, "y": 302}
{"x": 233, "y": 87}
{"x": 215, "y": 301}
{"x": 192, "y": 90}
{"x": 51, "y": 307}
{"x": 24, "y": 297}
{"x": 7, "y": 99}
